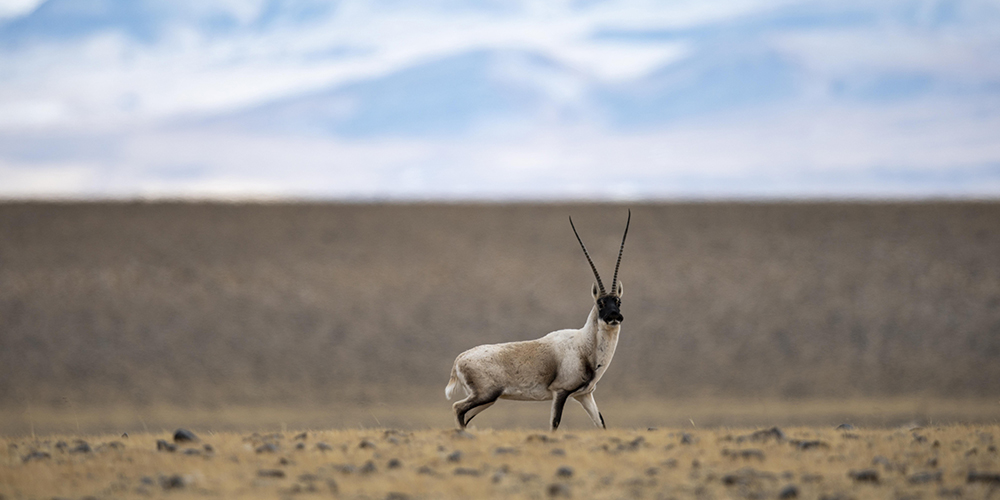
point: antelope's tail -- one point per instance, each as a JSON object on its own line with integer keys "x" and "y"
{"x": 452, "y": 383}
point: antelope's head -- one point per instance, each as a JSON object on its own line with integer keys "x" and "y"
{"x": 608, "y": 303}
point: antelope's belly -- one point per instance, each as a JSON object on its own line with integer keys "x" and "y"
{"x": 528, "y": 393}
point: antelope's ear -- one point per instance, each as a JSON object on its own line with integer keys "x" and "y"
{"x": 619, "y": 289}
{"x": 595, "y": 291}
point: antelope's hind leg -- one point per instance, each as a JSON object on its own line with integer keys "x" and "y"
{"x": 590, "y": 406}
{"x": 474, "y": 404}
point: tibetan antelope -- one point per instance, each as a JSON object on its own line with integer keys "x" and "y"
{"x": 562, "y": 364}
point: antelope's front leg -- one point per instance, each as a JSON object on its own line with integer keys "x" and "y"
{"x": 558, "y": 402}
{"x": 590, "y": 406}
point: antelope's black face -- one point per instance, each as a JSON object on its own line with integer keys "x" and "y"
{"x": 608, "y": 309}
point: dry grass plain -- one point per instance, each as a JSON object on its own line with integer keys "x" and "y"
{"x": 802, "y": 462}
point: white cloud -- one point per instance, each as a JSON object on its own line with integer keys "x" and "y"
{"x": 17, "y": 8}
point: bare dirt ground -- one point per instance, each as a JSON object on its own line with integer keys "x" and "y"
{"x": 801, "y": 462}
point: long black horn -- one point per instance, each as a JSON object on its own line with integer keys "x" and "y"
{"x": 614, "y": 281}
{"x": 598, "y": 276}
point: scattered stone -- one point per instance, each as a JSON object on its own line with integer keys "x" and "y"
{"x": 208, "y": 448}
{"x": 301, "y": 436}
{"x": 790, "y": 491}
{"x": 116, "y": 445}
{"x": 345, "y": 468}
{"x": 541, "y": 438}
{"x": 558, "y": 490}
{"x": 763, "y": 435}
{"x": 81, "y": 447}
{"x": 124, "y": 435}
{"x": 321, "y": 446}
{"x": 686, "y": 438}
{"x": 917, "y": 438}
{"x": 267, "y": 448}
{"x": 35, "y": 455}
{"x": 192, "y": 451}
{"x": 300, "y": 446}
{"x": 368, "y": 468}
{"x": 173, "y": 482}
{"x": 274, "y": 473}
{"x": 424, "y": 469}
{"x": 983, "y": 477}
{"x": 932, "y": 462}
{"x": 924, "y": 477}
{"x": 864, "y": 475}
{"x": 559, "y": 452}
{"x": 184, "y": 436}
{"x": 60, "y": 445}
{"x": 506, "y": 451}
{"x": 455, "y": 456}
{"x": 284, "y": 461}
{"x": 808, "y": 445}
{"x": 746, "y": 454}
{"x": 147, "y": 480}
{"x": 845, "y": 427}
{"x": 163, "y": 445}
{"x": 564, "y": 471}
{"x": 394, "y": 463}
{"x": 465, "y": 471}
{"x": 366, "y": 444}
{"x": 746, "y": 476}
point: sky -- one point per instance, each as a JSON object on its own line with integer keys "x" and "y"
{"x": 499, "y": 99}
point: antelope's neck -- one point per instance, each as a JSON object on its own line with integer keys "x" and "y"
{"x": 605, "y": 340}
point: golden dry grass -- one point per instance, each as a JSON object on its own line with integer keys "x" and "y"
{"x": 818, "y": 462}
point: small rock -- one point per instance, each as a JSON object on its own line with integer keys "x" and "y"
{"x": 124, "y": 435}
{"x": 163, "y": 445}
{"x": 284, "y": 461}
{"x": 192, "y": 451}
{"x": 321, "y": 446}
{"x": 424, "y": 469}
{"x": 983, "y": 477}
{"x": 564, "y": 471}
{"x": 208, "y": 448}
{"x": 173, "y": 482}
{"x": 559, "y": 452}
{"x": 455, "y": 456}
{"x": 950, "y": 492}
{"x": 558, "y": 490}
{"x": 184, "y": 436}
{"x": 747, "y": 454}
{"x": 267, "y": 448}
{"x": 808, "y": 445}
{"x": 301, "y": 436}
{"x": 465, "y": 471}
{"x": 275, "y": 473}
{"x": 81, "y": 447}
{"x": 686, "y": 438}
{"x": 924, "y": 477}
{"x": 542, "y": 438}
{"x": 505, "y": 451}
{"x": 790, "y": 491}
{"x": 346, "y": 469}
{"x": 394, "y": 463}
{"x": 308, "y": 478}
{"x": 60, "y": 445}
{"x": 366, "y": 444}
{"x": 116, "y": 445}
{"x": 368, "y": 468}
{"x": 35, "y": 455}
{"x": 845, "y": 427}
{"x": 300, "y": 446}
{"x": 147, "y": 480}
{"x": 864, "y": 475}
{"x": 764, "y": 435}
